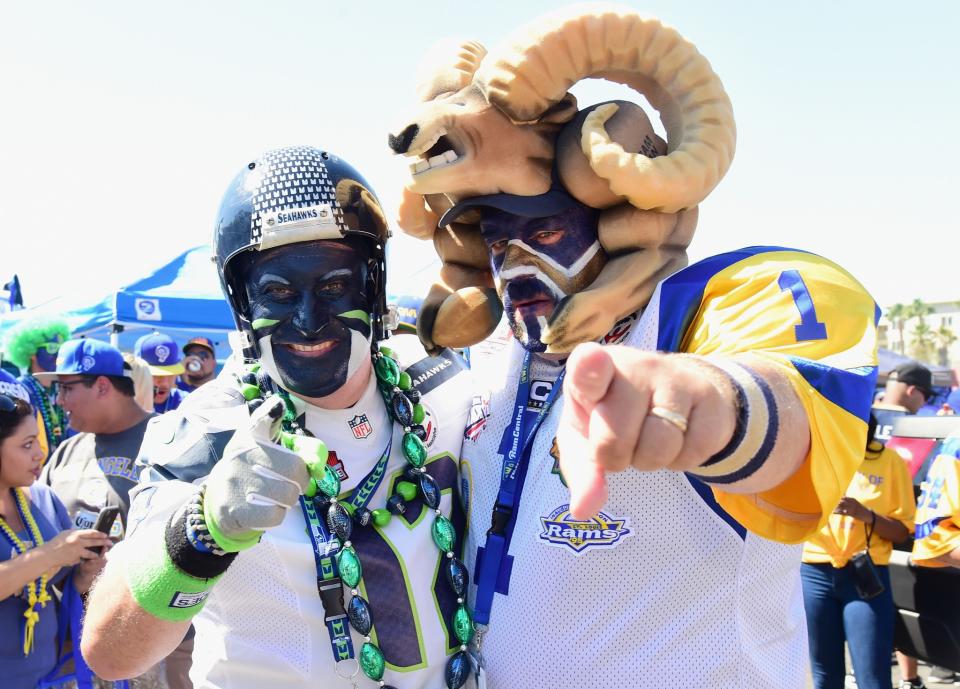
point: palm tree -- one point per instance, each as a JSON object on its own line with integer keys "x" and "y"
{"x": 918, "y": 309}
{"x": 897, "y": 314}
{"x": 944, "y": 337}
{"x": 921, "y": 345}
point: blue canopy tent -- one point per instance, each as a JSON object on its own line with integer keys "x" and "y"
{"x": 181, "y": 298}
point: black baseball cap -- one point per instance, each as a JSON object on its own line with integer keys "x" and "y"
{"x": 553, "y": 201}
{"x": 914, "y": 374}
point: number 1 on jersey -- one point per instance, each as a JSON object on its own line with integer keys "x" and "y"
{"x": 809, "y": 328}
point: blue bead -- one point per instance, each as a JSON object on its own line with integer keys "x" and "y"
{"x": 419, "y": 431}
{"x": 430, "y": 491}
{"x": 402, "y": 409}
{"x": 361, "y": 618}
{"x": 339, "y": 522}
{"x": 362, "y": 517}
{"x": 458, "y": 669}
{"x": 397, "y": 504}
{"x": 413, "y": 395}
{"x": 457, "y": 576}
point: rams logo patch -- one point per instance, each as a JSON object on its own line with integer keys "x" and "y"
{"x": 600, "y": 531}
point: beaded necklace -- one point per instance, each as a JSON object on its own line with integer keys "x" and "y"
{"x": 52, "y": 413}
{"x": 36, "y": 590}
{"x": 341, "y": 514}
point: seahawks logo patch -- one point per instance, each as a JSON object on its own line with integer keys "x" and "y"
{"x": 600, "y": 531}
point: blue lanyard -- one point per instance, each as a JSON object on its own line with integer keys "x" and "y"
{"x": 325, "y": 547}
{"x": 494, "y": 562}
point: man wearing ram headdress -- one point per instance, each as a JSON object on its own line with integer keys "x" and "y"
{"x": 705, "y": 418}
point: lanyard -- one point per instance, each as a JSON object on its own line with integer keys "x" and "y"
{"x": 493, "y": 561}
{"x": 325, "y": 548}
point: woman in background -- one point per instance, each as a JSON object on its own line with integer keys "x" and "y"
{"x": 36, "y": 544}
{"x": 876, "y": 512}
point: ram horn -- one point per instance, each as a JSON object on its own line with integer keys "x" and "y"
{"x": 460, "y": 60}
{"x": 537, "y": 68}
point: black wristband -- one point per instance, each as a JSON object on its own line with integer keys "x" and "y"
{"x": 188, "y": 559}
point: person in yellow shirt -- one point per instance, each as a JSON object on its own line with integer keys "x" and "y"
{"x": 937, "y": 533}
{"x": 876, "y": 512}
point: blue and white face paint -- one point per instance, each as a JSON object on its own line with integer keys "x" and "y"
{"x": 310, "y": 314}
{"x": 538, "y": 262}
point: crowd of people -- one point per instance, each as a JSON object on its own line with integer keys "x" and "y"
{"x": 651, "y": 443}
{"x": 71, "y": 428}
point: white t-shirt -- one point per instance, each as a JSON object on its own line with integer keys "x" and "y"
{"x": 262, "y": 625}
{"x": 660, "y": 590}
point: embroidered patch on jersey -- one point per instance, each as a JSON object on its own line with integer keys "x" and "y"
{"x": 360, "y": 426}
{"x": 601, "y": 531}
{"x": 477, "y": 418}
{"x": 539, "y": 393}
{"x": 618, "y": 333}
{"x": 336, "y": 464}
{"x": 555, "y": 453}
{"x": 429, "y": 426}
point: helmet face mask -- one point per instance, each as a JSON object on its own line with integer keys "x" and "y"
{"x": 299, "y": 196}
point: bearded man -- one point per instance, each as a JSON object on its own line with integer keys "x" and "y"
{"x": 314, "y": 465}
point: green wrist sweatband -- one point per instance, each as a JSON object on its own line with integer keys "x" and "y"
{"x": 230, "y": 545}
{"x": 158, "y": 585}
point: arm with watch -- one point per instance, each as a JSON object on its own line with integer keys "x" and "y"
{"x": 160, "y": 577}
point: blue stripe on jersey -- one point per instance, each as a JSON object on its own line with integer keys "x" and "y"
{"x": 849, "y": 389}
{"x": 923, "y": 530}
{"x": 876, "y": 314}
{"x": 706, "y": 494}
{"x": 682, "y": 293}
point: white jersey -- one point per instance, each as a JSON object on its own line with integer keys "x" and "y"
{"x": 662, "y": 589}
{"x": 262, "y": 625}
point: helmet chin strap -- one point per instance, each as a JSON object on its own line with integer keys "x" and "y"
{"x": 360, "y": 348}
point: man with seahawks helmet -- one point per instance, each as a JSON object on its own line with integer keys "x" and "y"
{"x": 317, "y": 465}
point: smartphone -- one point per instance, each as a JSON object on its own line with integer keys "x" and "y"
{"x": 104, "y": 523}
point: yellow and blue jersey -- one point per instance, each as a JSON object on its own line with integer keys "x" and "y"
{"x": 937, "y": 529}
{"x": 817, "y": 324}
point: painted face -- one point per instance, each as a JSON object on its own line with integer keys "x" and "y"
{"x": 537, "y": 262}
{"x": 21, "y": 455}
{"x": 47, "y": 354}
{"x": 310, "y": 314}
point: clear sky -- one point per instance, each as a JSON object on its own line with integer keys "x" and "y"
{"x": 123, "y": 122}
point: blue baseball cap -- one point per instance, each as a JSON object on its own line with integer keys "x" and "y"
{"x": 161, "y": 354}
{"x": 86, "y": 357}
{"x": 11, "y": 387}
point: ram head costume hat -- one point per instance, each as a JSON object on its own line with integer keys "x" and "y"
{"x": 504, "y": 122}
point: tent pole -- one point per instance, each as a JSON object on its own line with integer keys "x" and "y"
{"x": 115, "y": 330}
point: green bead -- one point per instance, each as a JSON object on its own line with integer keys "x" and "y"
{"x": 348, "y": 506}
{"x": 311, "y": 488}
{"x": 463, "y": 625}
{"x": 254, "y": 368}
{"x": 327, "y": 481}
{"x": 386, "y": 351}
{"x": 381, "y": 517}
{"x": 406, "y": 382}
{"x": 288, "y": 440}
{"x": 414, "y": 450}
{"x": 407, "y": 490}
{"x": 387, "y": 370}
{"x": 314, "y": 453}
{"x": 249, "y": 392}
{"x": 349, "y": 565}
{"x": 371, "y": 661}
{"x": 418, "y": 413}
{"x": 443, "y": 534}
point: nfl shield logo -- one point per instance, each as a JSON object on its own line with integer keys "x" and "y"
{"x": 360, "y": 426}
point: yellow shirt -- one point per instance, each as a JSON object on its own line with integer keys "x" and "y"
{"x": 938, "y": 509}
{"x": 882, "y": 484}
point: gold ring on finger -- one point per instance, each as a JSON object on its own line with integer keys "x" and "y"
{"x": 679, "y": 421}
